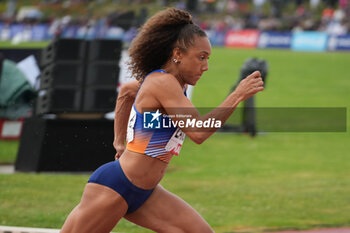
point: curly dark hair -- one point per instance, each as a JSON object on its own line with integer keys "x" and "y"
{"x": 157, "y": 38}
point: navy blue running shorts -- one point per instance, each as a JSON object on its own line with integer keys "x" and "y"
{"x": 112, "y": 176}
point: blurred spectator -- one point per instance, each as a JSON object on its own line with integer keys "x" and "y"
{"x": 327, "y": 13}
{"x": 337, "y": 27}
{"x": 343, "y": 4}
{"x": 300, "y": 12}
{"x": 232, "y": 6}
{"x": 220, "y": 6}
{"x": 276, "y": 8}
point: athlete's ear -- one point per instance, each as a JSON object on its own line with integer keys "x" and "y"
{"x": 177, "y": 53}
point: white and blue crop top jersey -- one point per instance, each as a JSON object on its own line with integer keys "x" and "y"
{"x": 161, "y": 143}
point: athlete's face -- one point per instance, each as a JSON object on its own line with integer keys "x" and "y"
{"x": 194, "y": 62}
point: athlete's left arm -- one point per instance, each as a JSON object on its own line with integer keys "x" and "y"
{"x": 123, "y": 106}
{"x": 168, "y": 92}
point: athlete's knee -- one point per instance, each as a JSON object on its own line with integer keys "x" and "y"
{"x": 201, "y": 228}
{"x": 168, "y": 229}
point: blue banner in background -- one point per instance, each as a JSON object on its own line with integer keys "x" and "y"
{"x": 114, "y": 33}
{"x": 309, "y": 41}
{"x": 82, "y": 32}
{"x": 69, "y": 32}
{"x": 129, "y": 35}
{"x": 5, "y": 33}
{"x": 281, "y": 40}
{"x": 15, "y": 29}
{"x": 2, "y": 33}
{"x": 39, "y": 32}
{"x": 339, "y": 43}
{"x": 217, "y": 38}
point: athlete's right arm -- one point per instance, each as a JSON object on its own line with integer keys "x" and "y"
{"x": 124, "y": 104}
{"x": 176, "y": 104}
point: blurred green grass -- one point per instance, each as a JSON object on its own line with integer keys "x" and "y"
{"x": 23, "y": 45}
{"x": 8, "y": 151}
{"x": 238, "y": 183}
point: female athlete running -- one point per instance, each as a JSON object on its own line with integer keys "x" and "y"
{"x": 169, "y": 52}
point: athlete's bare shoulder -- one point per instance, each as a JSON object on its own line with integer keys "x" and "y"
{"x": 162, "y": 82}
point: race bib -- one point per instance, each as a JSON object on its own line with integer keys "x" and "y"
{"x": 175, "y": 143}
{"x": 131, "y": 124}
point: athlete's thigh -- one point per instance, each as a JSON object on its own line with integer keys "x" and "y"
{"x": 100, "y": 210}
{"x": 165, "y": 212}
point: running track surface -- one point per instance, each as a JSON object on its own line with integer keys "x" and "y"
{"x": 328, "y": 230}
{"x": 6, "y": 229}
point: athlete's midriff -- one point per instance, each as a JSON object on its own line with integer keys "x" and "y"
{"x": 143, "y": 171}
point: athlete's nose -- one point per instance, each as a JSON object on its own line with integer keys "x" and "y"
{"x": 205, "y": 67}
